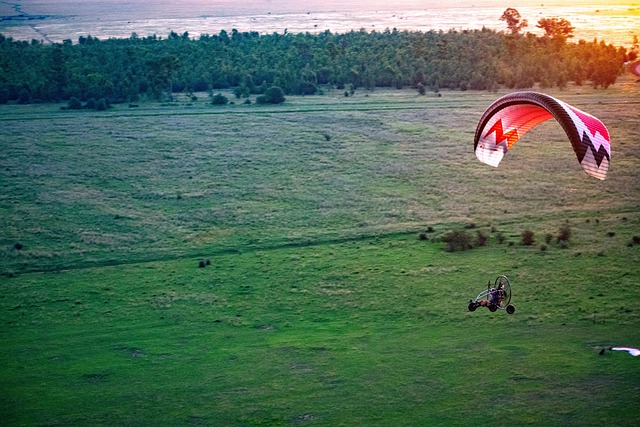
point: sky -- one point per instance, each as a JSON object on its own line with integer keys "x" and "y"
{"x": 82, "y": 7}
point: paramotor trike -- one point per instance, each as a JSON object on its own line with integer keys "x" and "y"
{"x": 496, "y": 297}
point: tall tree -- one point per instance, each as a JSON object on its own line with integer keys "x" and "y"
{"x": 556, "y": 28}
{"x": 514, "y": 21}
{"x": 161, "y": 70}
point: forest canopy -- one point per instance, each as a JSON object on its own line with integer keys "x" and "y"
{"x": 124, "y": 70}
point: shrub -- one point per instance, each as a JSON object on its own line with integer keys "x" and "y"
{"x": 91, "y": 104}
{"x": 528, "y": 237}
{"x": 548, "y": 238}
{"x": 275, "y": 95}
{"x": 242, "y": 92}
{"x": 74, "y": 104}
{"x": 543, "y": 247}
{"x": 635, "y": 240}
{"x": 272, "y": 95}
{"x": 458, "y": 240}
{"x": 307, "y": 88}
{"x": 501, "y": 237}
{"x": 422, "y": 236}
{"x": 481, "y": 238}
{"x": 24, "y": 97}
{"x": 219, "y": 99}
{"x": 564, "y": 234}
{"x": 101, "y": 105}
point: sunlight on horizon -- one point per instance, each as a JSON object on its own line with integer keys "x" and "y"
{"x": 56, "y": 20}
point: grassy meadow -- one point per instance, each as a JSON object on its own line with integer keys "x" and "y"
{"x": 320, "y": 305}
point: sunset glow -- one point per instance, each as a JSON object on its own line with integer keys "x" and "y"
{"x": 615, "y": 22}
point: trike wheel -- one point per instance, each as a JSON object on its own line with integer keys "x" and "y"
{"x": 472, "y": 306}
{"x": 511, "y": 309}
{"x": 492, "y": 307}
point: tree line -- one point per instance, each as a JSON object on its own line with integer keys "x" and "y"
{"x": 134, "y": 68}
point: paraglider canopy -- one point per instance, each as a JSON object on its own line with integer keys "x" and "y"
{"x": 634, "y": 67}
{"x": 632, "y": 351}
{"x": 513, "y": 115}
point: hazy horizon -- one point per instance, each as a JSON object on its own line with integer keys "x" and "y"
{"x": 234, "y": 7}
{"x": 55, "y": 20}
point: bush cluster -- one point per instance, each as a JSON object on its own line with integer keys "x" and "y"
{"x": 101, "y": 104}
{"x": 462, "y": 240}
{"x": 458, "y": 240}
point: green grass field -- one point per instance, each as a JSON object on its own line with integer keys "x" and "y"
{"x": 320, "y": 306}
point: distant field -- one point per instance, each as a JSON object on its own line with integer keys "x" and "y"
{"x": 183, "y": 179}
{"x": 321, "y": 306}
